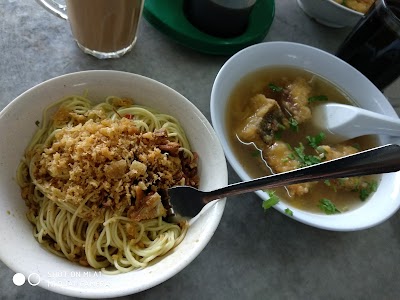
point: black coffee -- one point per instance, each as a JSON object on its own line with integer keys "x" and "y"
{"x": 215, "y": 19}
{"x": 373, "y": 46}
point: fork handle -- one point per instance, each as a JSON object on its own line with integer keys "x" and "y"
{"x": 383, "y": 159}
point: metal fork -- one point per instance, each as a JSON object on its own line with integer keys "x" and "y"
{"x": 187, "y": 201}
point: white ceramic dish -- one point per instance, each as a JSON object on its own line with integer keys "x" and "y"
{"x": 330, "y": 13}
{"x": 23, "y": 254}
{"x": 386, "y": 200}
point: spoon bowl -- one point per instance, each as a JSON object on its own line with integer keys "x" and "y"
{"x": 342, "y": 122}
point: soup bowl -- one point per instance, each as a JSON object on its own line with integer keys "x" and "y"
{"x": 381, "y": 204}
{"x": 330, "y": 13}
{"x": 22, "y": 253}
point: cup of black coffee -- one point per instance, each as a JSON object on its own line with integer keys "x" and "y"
{"x": 221, "y": 18}
{"x": 373, "y": 46}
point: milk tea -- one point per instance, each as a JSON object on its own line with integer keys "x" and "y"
{"x": 104, "y": 25}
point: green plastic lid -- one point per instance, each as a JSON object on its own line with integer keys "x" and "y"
{"x": 169, "y": 18}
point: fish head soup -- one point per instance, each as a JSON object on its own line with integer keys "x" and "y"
{"x": 269, "y": 120}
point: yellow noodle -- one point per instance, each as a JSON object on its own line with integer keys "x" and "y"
{"x": 102, "y": 242}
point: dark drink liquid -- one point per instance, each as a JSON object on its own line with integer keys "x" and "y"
{"x": 373, "y": 46}
{"x": 215, "y": 19}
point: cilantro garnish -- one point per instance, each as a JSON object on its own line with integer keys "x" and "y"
{"x": 289, "y": 212}
{"x": 278, "y": 132}
{"x": 304, "y": 159}
{"x": 367, "y": 190}
{"x": 317, "y": 98}
{"x": 327, "y": 182}
{"x": 281, "y": 126}
{"x": 294, "y": 125}
{"x": 315, "y": 141}
{"x": 328, "y": 207}
{"x": 291, "y": 156}
{"x": 273, "y": 199}
{"x": 275, "y": 88}
{"x": 278, "y": 135}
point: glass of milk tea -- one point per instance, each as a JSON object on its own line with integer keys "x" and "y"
{"x": 102, "y": 28}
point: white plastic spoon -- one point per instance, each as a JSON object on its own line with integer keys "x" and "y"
{"x": 342, "y": 122}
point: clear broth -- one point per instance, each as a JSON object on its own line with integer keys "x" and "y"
{"x": 257, "y": 82}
